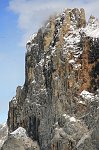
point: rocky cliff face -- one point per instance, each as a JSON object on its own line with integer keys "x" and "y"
{"x": 58, "y": 104}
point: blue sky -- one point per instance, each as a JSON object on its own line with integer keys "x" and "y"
{"x": 18, "y": 20}
{"x": 11, "y": 57}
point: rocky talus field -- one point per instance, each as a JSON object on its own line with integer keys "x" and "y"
{"x": 57, "y": 108}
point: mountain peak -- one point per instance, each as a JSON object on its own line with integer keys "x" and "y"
{"x": 58, "y": 104}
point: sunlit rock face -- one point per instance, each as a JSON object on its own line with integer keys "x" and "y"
{"x": 58, "y": 104}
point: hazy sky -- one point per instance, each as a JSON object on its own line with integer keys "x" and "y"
{"x": 18, "y": 20}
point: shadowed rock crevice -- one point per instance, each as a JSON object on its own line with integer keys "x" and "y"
{"x": 33, "y": 128}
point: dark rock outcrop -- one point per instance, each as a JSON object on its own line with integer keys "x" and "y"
{"x": 59, "y": 103}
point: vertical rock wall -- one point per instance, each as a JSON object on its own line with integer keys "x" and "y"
{"x": 61, "y": 62}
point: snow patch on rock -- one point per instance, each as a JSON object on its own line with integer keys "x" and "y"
{"x": 32, "y": 37}
{"x": 19, "y": 133}
{"x": 82, "y": 102}
{"x": 92, "y": 28}
{"x": 87, "y": 95}
{"x": 71, "y": 119}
